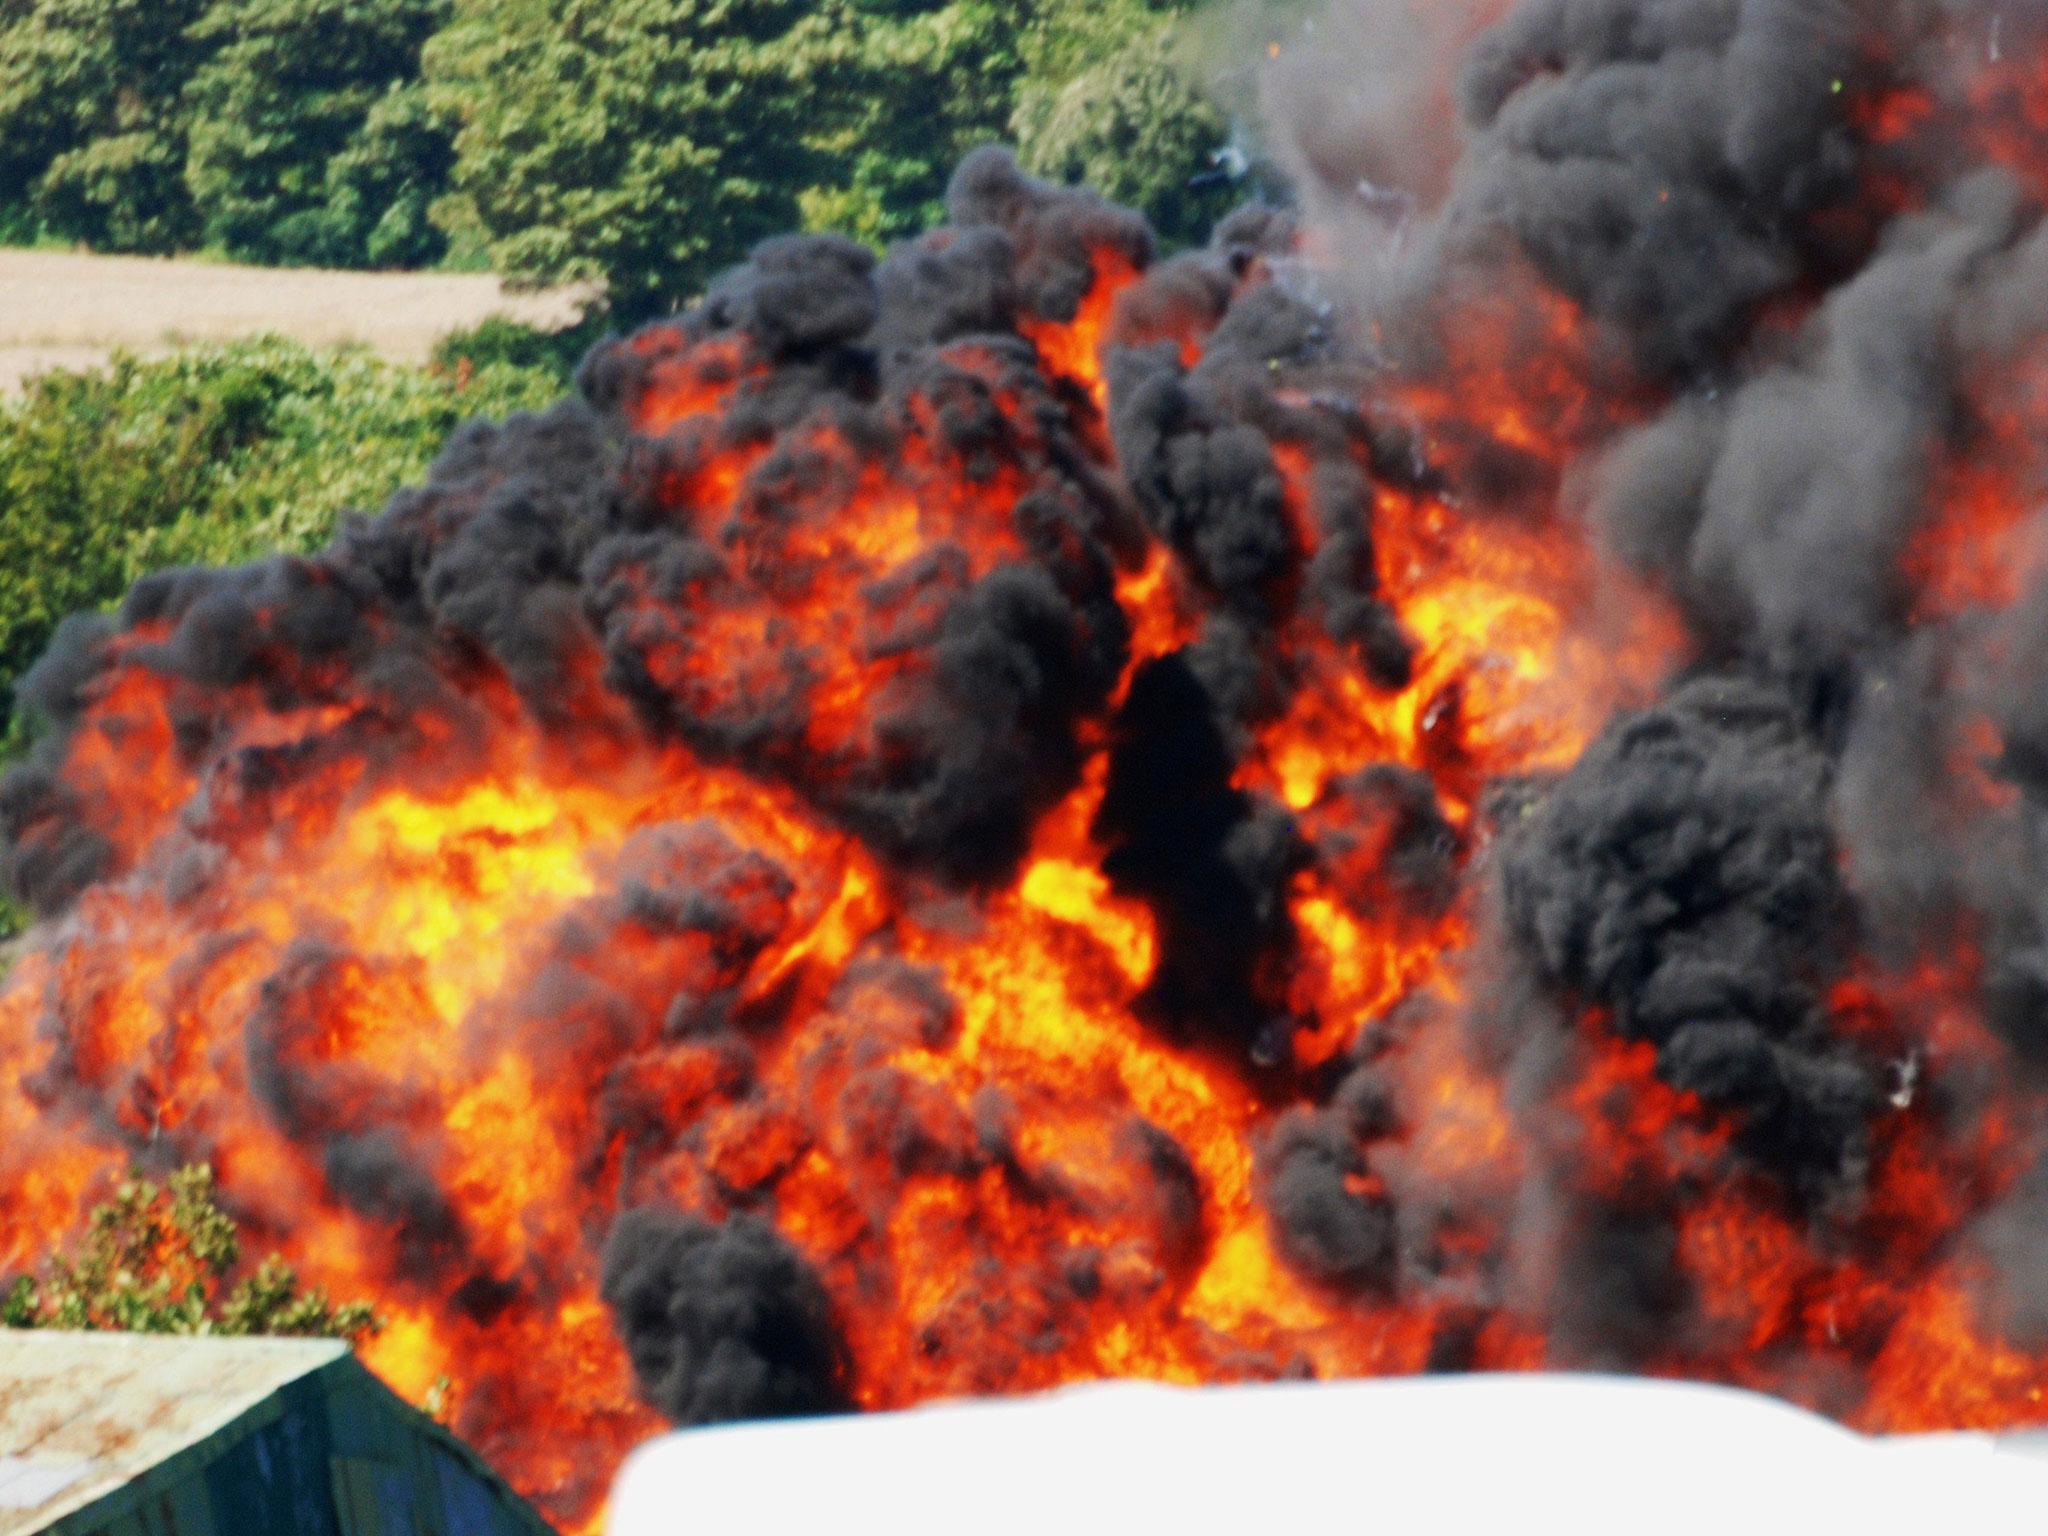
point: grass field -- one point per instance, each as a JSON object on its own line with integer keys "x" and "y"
{"x": 61, "y": 310}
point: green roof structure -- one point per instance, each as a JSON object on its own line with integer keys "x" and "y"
{"x": 108, "y": 1434}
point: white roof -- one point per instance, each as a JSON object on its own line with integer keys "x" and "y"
{"x": 83, "y": 1413}
{"x": 1442, "y": 1455}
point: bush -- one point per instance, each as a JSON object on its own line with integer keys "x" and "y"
{"x": 164, "y": 1260}
{"x": 499, "y": 342}
{"x": 212, "y": 455}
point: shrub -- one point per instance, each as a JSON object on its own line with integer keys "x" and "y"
{"x": 215, "y": 455}
{"x": 168, "y": 1260}
{"x": 499, "y": 342}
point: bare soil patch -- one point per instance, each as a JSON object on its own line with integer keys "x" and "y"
{"x": 60, "y": 310}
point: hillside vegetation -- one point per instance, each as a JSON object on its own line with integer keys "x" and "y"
{"x": 643, "y": 144}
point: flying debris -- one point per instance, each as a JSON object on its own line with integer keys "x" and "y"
{"x": 1228, "y": 165}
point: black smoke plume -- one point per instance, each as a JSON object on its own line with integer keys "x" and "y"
{"x": 721, "y": 1322}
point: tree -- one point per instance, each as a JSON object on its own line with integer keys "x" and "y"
{"x": 309, "y": 140}
{"x": 928, "y": 82}
{"x": 645, "y": 143}
{"x": 160, "y": 1260}
{"x": 91, "y": 126}
{"x": 1130, "y": 123}
{"x": 382, "y": 188}
{"x": 648, "y": 143}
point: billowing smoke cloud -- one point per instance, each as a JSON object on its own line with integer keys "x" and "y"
{"x": 977, "y": 658}
{"x": 1780, "y": 507}
{"x": 1682, "y": 877}
{"x": 1829, "y": 296}
{"x": 1659, "y": 163}
{"x": 721, "y": 1322}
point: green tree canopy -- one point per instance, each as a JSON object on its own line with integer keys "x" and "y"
{"x": 648, "y": 143}
{"x": 167, "y": 1259}
{"x": 91, "y": 129}
{"x": 1130, "y": 122}
{"x": 309, "y": 138}
{"x": 926, "y": 82}
{"x": 642, "y": 142}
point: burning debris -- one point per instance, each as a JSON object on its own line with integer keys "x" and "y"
{"x": 1028, "y": 811}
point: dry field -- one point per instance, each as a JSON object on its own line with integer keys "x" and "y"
{"x": 63, "y": 310}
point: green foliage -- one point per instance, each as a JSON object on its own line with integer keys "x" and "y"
{"x": 381, "y": 189}
{"x": 91, "y": 131}
{"x": 1092, "y": 90}
{"x": 499, "y": 342}
{"x": 647, "y": 143}
{"x": 212, "y": 455}
{"x": 1130, "y": 124}
{"x": 925, "y": 84}
{"x": 275, "y": 130}
{"x": 1058, "y": 39}
{"x": 309, "y": 140}
{"x": 641, "y": 142}
{"x": 160, "y": 1260}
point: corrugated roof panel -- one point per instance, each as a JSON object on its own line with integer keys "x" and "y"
{"x": 31, "y": 1482}
{"x": 81, "y": 1414}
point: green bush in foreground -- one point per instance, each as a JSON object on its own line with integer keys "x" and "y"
{"x": 157, "y": 1259}
{"x": 505, "y": 343}
{"x": 213, "y": 455}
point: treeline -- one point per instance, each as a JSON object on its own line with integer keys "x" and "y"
{"x": 642, "y": 144}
